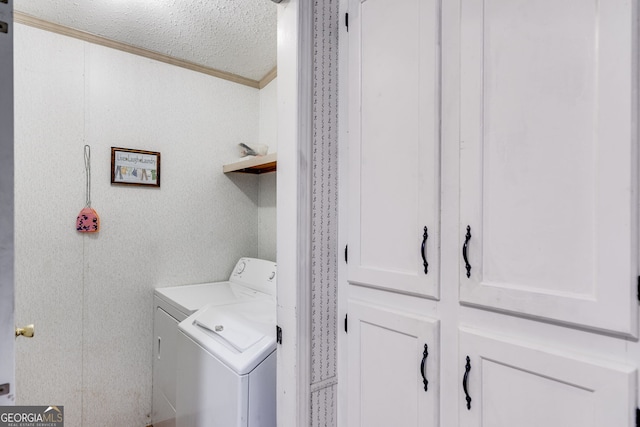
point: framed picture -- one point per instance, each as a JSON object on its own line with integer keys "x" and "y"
{"x": 135, "y": 167}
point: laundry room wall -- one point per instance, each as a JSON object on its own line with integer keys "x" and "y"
{"x": 268, "y": 135}
{"x": 90, "y": 295}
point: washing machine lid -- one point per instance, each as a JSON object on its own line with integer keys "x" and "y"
{"x": 230, "y": 329}
{"x": 240, "y": 335}
{"x": 187, "y": 299}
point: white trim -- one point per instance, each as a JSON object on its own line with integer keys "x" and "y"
{"x": 7, "y": 338}
{"x": 294, "y": 209}
{"x": 343, "y": 186}
{"x": 305, "y": 180}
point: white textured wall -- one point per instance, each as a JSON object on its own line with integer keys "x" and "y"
{"x": 90, "y": 296}
{"x": 268, "y": 135}
{"x": 268, "y": 122}
{"x": 267, "y": 216}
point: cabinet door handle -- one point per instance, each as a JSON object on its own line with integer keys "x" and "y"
{"x": 424, "y": 361}
{"x": 465, "y": 381}
{"x": 423, "y": 251}
{"x": 465, "y": 249}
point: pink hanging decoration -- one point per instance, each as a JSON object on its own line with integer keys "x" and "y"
{"x": 88, "y": 220}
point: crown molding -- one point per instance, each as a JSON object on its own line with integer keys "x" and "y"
{"x": 271, "y": 75}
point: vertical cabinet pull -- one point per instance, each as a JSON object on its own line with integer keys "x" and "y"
{"x": 424, "y": 360}
{"x": 465, "y": 250}
{"x": 465, "y": 382}
{"x": 423, "y": 251}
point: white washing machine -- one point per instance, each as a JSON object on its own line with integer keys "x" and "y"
{"x": 251, "y": 279}
{"x": 227, "y": 366}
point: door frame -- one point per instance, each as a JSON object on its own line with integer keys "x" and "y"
{"x": 295, "y": 74}
{"x": 295, "y": 62}
{"x": 7, "y": 274}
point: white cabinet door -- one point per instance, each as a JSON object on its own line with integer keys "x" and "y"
{"x": 393, "y": 366}
{"x": 394, "y": 167}
{"x": 511, "y": 384}
{"x": 165, "y": 350}
{"x": 548, "y": 159}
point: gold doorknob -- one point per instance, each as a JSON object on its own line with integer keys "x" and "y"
{"x": 27, "y": 332}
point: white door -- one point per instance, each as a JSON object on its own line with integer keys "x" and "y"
{"x": 507, "y": 383}
{"x": 393, "y": 368}
{"x": 548, "y": 160}
{"x": 165, "y": 351}
{"x": 394, "y": 167}
{"x": 7, "y": 382}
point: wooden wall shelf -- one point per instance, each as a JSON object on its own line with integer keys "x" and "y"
{"x": 255, "y": 165}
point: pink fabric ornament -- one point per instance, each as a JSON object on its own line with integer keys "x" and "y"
{"x": 88, "y": 220}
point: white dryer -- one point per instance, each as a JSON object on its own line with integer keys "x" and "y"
{"x": 227, "y": 366}
{"x": 251, "y": 279}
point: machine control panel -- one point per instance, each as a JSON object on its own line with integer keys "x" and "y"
{"x": 255, "y": 273}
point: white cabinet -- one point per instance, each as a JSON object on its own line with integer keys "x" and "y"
{"x": 514, "y": 384}
{"x": 512, "y": 122}
{"x": 548, "y": 160}
{"x": 393, "y": 367}
{"x": 394, "y": 174}
{"x": 394, "y": 211}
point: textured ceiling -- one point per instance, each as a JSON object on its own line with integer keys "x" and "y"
{"x": 235, "y": 36}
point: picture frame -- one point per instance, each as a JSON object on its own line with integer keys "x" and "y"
{"x": 135, "y": 167}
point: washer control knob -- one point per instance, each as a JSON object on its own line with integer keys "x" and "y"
{"x": 219, "y": 328}
{"x": 241, "y": 266}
